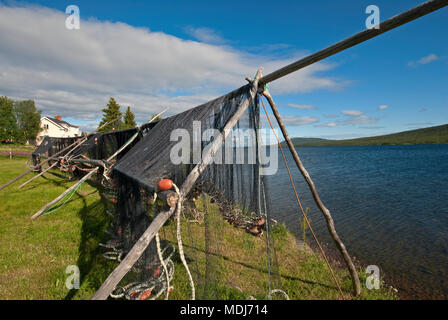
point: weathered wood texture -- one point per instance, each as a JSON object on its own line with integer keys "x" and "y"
{"x": 48, "y": 205}
{"x": 30, "y": 170}
{"x": 137, "y": 250}
{"x": 37, "y": 176}
{"x": 320, "y": 205}
{"x": 170, "y": 198}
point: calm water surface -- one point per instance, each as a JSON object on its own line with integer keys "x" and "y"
{"x": 389, "y": 204}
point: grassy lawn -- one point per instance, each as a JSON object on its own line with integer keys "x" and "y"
{"x": 240, "y": 266}
{"x": 34, "y": 254}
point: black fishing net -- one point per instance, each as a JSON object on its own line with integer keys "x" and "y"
{"x": 89, "y": 153}
{"x": 221, "y": 218}
{"x": 50, "y": 146}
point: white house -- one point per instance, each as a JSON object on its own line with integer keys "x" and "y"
{"x": 57, "y": 128}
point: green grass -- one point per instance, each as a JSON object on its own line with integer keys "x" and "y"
{"x": 34, "y": 254}
{"x": 430, "y": 135}
{"x": 242, "y": 265}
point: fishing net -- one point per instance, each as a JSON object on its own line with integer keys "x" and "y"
{"x": 224, "y": 213}
{"x": 90, "y": 153}
{"x": 50, "y": 146}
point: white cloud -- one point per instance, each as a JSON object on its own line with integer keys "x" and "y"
{"x": 301, "y": 106}
{"x": 204, "y": 34}
{"x": 288, "y": 120}
{"x": 328, "y": 124}
{"x": 382, "y": 107}
{"x": 352, "y": 112}
{"x": 74, "y": 72}
{"x": 425, "y": 60}
{"x": 429, "y": 58}
{"x": 351, "y": 120}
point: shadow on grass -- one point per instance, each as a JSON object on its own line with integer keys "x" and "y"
{"x": 49, "y": 180}
{"x": 80, "y": 194}
{"x": 92, "y": 266}
{"x": 263, "y": 270}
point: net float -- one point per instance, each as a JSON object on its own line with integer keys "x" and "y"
{"x": 165, "y": 184}
{"x": 156, "y": 273}
{"x": 259, "y": 222}
{"x": 145, "y": 295}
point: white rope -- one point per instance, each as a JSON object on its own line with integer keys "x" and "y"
{"x": 159, "y": 253}
{"x": 179, "y": 242}
{"x": 278, "y": 291}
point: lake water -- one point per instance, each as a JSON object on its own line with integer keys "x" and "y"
{"x": 389, "y": 205}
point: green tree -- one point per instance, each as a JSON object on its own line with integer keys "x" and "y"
{"x": 113, "y": 115}
{"x": 28, "y": 120}
{"x": 8, "y": 121}
{"x": 129, "y": 119}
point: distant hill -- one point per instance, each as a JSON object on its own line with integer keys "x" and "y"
{"x": 430, "y": 135}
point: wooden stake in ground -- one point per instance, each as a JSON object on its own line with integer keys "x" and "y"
{"x": 320, "y": 205}
{"x": 37, "y": 176}
{"x": 30, "y": 170}
{"x": 48, "y": 205}
{"x": 139, "y": 247}
{"x": 75, "y": 145}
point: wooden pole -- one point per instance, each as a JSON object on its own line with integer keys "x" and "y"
{"x": 45, "y": 207}
{"x": 320, "y": 205}
{"x": 137, "y": 250}
{"x": 79, "y": 142}
{"x": 42, "y": 210}
{"x": 75, "y": 145}
{"x": 30, "y": 170}
{"x": 362, "y": 36}
{"x": 37, "y": 176}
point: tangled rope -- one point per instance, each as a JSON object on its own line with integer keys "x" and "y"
{"x": 147, "y": 290}
{"x": 274, "y": 291}
{"x": 150, "y": 289}
{"x": 179, "y": 242}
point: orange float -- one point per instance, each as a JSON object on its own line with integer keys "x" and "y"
{"x": 165, "y": 184}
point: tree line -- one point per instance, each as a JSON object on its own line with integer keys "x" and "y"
{"x": 116, "y": 119}
{"x": 20, "y": 120}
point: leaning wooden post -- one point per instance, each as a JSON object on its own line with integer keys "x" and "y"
{"x": 323, "y": 209}
{"x": 37, "y": 176}
{"x": 30, "y": 170}
{"x": 42, "y": 210}
{"x": 139, "y": 247}
{"x": 74, "y": 144}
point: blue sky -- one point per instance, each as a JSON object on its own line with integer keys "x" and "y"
{"x": 404, "y": 71}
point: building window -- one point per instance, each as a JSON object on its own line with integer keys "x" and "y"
{"x": 45, "y": 126}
